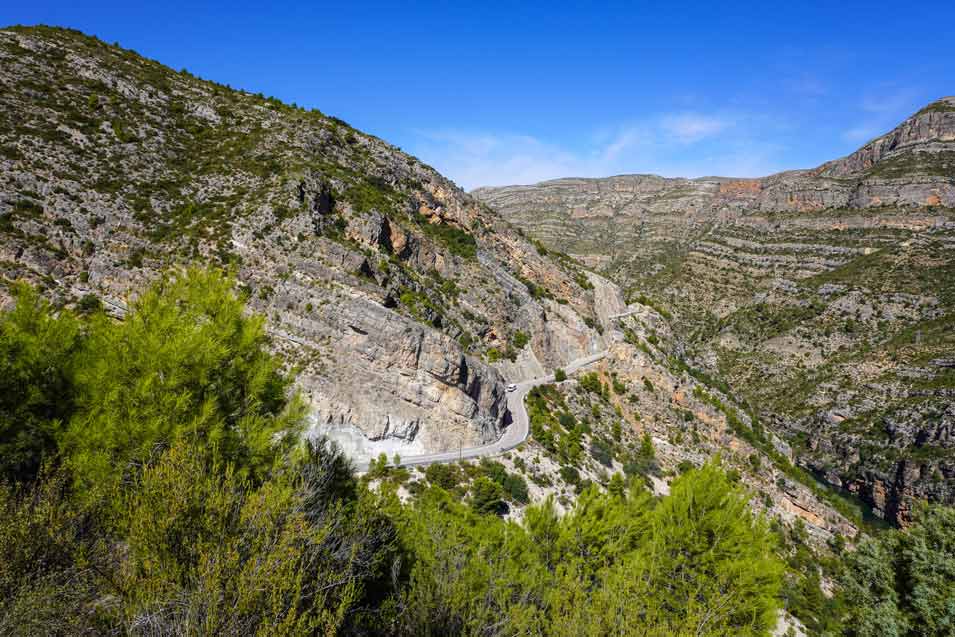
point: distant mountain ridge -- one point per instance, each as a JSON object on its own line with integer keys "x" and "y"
{"x": 825, "y": 296}
{"x": 921, "y": 146}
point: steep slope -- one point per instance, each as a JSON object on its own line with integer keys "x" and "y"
{"x": 823, "y": 297}
{"x": 400, "y": 297}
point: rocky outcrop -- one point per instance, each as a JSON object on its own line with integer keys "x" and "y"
{"x": 912, "y": 166}
{"x": 931, "y": 130}
{"x": 821, "y": 296}
{"x": 398, "y": 297}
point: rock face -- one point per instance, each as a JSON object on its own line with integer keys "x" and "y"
{"x": 824, "y": 297}
{"x": 399, "y": 297}
{"x": 912, "y": 166}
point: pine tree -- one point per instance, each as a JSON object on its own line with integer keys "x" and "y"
{"x": 37, "y": 350}
{"x": 185, "y": 362}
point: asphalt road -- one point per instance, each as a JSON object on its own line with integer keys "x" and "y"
{"x": 513, "y": 435}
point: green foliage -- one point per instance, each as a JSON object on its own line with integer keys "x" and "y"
{"x": 536, "y": 291}
{"x": 714, "y": 559}
{"x": 559, "y": 375}
{"x": 446, "y": 476}
{"x": 189, "y": 511}
{"x": 902, "y": 583}
{"x": 513, "y": 485}
{"x": 644, "y": 461}
{"x": 698, "y": 563}
{"x": 643, "y": 299}
{"x": 567, "y": 421}
{"x": 581, "y": 279}
{"x": 619, "y": 387}
{"x": 487, "y": 497}
{"x": 457, "y": 241}
{"x": 302, "y": 553}
{"x": 184, "y": 363}
{"x": 520, "y": 339}
{"x": 378, "y": 467}
{"x": 553, "y": 426}
{"x": 421, "y": 307}
{"x": 601, "y": 452}
{"x": 593, "y": 324}
{"x": 88, "y": 304}
{"x": 370, "y": 194}
{"x": 802, "y": 589}
{"x": 570, "y": 475}
{"x": 616, "y": 486}
{"x": 591, "y": 382}
{"x": 37, "y": 349}
{"x": 52, "y": 553}
{"x": 541, "y": 403}
{"x": 234, "y": 531}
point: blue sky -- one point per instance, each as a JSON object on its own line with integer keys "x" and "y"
{"x": 497, "y": 93}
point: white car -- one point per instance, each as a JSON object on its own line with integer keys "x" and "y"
{"x": 511, "y": 387}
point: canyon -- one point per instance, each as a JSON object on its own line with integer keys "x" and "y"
{"x": 801, "y": 318}
{"x": 823, "y": 297}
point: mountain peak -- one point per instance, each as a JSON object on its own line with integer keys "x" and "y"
{"x": 923, "y": 144}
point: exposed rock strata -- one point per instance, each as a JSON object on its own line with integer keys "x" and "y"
{"x": 390, "y": 288}
{"x": 822, "y": 296}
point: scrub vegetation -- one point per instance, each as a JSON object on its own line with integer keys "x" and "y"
{"x": 154, "y": 483}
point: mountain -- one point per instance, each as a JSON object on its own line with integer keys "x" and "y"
{"x": 401, "y": 299}
{"x": 404, "y": 305}
{"x": 753, "y": 362}
{"x": 824, "y": 298}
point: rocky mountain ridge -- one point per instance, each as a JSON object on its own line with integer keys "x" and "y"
{"x": 404, "y": 304}
{"x": 919, "y": 151}
{"x": 824, "y": 297}
{"x": 400, "y": 298}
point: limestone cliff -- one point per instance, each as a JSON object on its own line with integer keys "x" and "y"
{"x": 398, "y": 296}
{"x": 825, "y": 298}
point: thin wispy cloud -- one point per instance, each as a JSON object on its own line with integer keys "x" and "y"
{"x": 479, "y": 158}
{"x": 692, "y": 127}
{"x": 890, "y": 101}
{"x": 880, "y": 110}
{"x": 684, "y": 143}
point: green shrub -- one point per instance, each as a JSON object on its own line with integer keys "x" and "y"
{"x": 903, "y": 582}
{"x": 186, "y": 362}
{"x": 520, "y": 339}
{"x": 446, "y": 476}
{"x": 567, "y": 421}
{"x": 515, "y": 487}
{"x": 37, "y": 394}
{"x": 591, "y": 382}
{"x": 456, "y": 240}
{"x": 88, "y": 304}
{"x": 570, "y": 474}
{"x": 602, "y": 452}
{"x": 487, "y": 497}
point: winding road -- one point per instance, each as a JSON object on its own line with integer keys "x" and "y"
{"x": 513, "y": 435}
